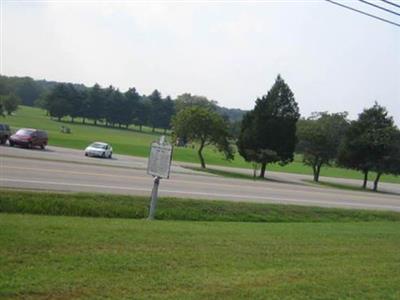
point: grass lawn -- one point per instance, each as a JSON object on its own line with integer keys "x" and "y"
{"x": 136, "y": 207}
{"x": 47, "y": 257}
{"x": 265, "y": 251}
{"x": 133, "y": 142}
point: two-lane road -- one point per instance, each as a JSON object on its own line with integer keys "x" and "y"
{"x": 68, "y": 170}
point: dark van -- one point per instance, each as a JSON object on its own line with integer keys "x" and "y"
{"x": 5, "y": 133}
{"x": 28, "y": 137}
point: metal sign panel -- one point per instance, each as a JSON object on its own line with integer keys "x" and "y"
{"x": 159, "y": 163}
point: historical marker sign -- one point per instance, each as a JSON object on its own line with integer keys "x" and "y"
{"x": 159, "y": 163}
{"x": 159, "y": 166}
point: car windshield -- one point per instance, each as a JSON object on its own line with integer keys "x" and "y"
{"x": 25, "y": 131}
{"x": 98, "y": 146}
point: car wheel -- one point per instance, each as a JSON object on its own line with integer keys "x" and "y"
{"x": 42, "y": 146}
{"x": 86, "y": 154}
{"x": 11, "y": 143}
{"x": 110, "y": 156}
{"x": 103, "y": 155}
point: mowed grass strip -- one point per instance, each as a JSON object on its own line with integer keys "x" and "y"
{"x": 136, "y": 207}
{"x": 133, "y": 142}
{"x": 47, "y": 257}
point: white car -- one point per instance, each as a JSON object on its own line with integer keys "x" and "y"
{"x": 99, "y": 149}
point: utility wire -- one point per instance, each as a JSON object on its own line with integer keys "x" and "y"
{"x": 391, "y": 3}
{"x": 380, "y": 7}
{"x": 364, "y": 13}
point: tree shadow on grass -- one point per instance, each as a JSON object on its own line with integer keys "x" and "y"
{"x": 347, "y": 187}
{"x": 230, "y": 174}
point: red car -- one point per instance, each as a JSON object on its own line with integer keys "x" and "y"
{"x": 28, "y": 137}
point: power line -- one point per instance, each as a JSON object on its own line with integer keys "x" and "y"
{"x": 364, "y": 13}
{"x": 391, "y": 3}
{"x": 380, "y": 7}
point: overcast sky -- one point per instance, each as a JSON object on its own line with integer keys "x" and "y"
{"x": 229, "y": 51}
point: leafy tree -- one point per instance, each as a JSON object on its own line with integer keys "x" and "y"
{"x": 369, "y": 142}
{"x": 268, "y": 133}
{"x": 5, "y": 87}
{"x": 10, "y": 103}
{"x": 187, "y": 100}
{"x": 388, "y": 140}
{"x": 319, "y": 138}
{"x": 41, "y": 101}
{"x": 27, "y": 90}
{"x": 205, "y": 127}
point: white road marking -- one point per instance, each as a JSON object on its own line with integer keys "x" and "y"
{"x": 216, "y": 195}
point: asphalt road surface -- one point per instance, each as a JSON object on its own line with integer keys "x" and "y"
{"x": 60, "y": 169}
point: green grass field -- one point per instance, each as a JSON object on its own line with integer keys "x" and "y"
{"x": 136, "y": 207}
{"x": 98, "y": 246}
{"x": 46, "y": 257}
{"x": 133, "y": 142}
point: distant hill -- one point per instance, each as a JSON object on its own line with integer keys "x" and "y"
{"x": 29, "y": 90}
{"x": 234, "y": 114}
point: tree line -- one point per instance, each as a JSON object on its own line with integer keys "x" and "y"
{"x": 103, "y": 105}
{"x": 109, "y": 106}
{"x": 273, "y": 131}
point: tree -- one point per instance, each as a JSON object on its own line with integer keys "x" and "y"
{"x": 368, "y": 143}
{"x": 133, "y": 101}
{"x": 95, "y": 104}
{"x": 10, "y": 103}
{"x": 75, "y": 98}
{"x": 111, "y": 105}
{"x": 142, "y": 112}
{"x": 57, "y": 101}
{"x": 205, "y": 127}
{"x": 268, "y": 132}
{"x": 388, "y": 140}
{"x": 26, "y": 89}
{"x": 319, "y": 138}
{"x": 156, "y": 109}
{"x": 168, "y": 110}
{"x": 1, "y": 109}
{"x": 187, "y": 100}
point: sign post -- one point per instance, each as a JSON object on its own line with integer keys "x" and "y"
{"x": 158, "y": 166}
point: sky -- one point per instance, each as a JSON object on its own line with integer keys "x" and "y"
{"x": 333, "y": 59}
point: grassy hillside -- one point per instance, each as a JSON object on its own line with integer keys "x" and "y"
{"x": 136, "y": 207}
{"x": 133, "y": 142}
{"x": 45, "y": 257}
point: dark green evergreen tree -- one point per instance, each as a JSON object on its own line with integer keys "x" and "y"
{"x": 156, "y": 109}
{"x": 95, "y": 105}
{"x": 268, "y": 133}
{"x": 57, "y": 102}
